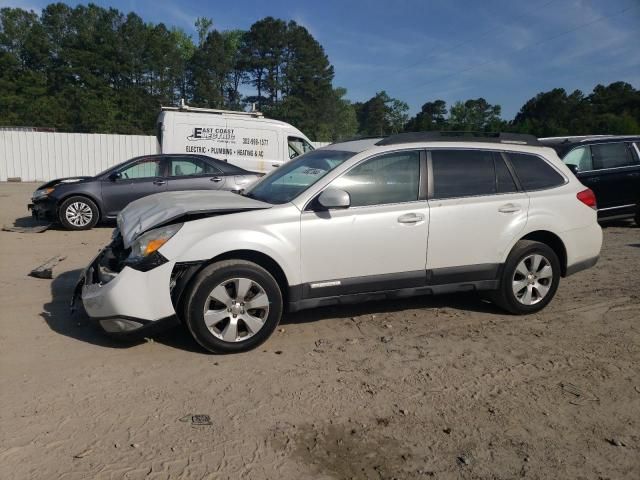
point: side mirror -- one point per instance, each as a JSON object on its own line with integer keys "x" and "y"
{"x": 115, "y": 176}
{"x": 573, "y": 168}
{"x": 334, "y": 198}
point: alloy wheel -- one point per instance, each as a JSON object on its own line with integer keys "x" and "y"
{"x": 79, "y": 214}
{"x": 532, "y": 279}
{"x": 236, "y": 309}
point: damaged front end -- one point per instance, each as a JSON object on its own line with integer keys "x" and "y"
{"x": 125, "y": 292}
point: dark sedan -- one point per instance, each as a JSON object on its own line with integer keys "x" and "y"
{"x": 79, "y": 203}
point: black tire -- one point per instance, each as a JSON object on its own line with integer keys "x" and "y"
{"x": 216, "y": 275}
{"x": 86, "y": 221}
{"x": 637, "y": 216}
{"x": 505, "y": 297}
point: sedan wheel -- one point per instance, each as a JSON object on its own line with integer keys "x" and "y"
{"x": 78, "y": 213}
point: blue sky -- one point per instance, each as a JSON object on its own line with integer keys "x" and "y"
{"x": 503, "y": 50}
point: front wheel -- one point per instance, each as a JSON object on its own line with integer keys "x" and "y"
{"x": 78, "y": 213}
{"x": 233, "y": 306}
{"x": 529, "y": 279}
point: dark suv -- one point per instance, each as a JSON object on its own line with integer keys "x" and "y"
{"x": 608, "y": 165}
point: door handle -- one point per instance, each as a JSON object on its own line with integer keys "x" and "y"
{"x": 216, "y": 179}
{"x": 275, "y": 165}
{"x": 509, "y": 208}
{"x": 592, "y": 180}
{"x": 159, "y": 182}
{"x": 410, "y": 218}
{"x": 634, "y": 174}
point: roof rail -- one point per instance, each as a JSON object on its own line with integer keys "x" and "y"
{"x": 357, "y": 138}
{"x": 183, "y": 107}
{"x": 489, "y": 137}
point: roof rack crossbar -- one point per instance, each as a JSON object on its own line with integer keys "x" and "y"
{"x": 460, "y": 136}
{"x": 183, "y": 107}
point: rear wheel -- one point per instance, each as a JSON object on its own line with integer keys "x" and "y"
{"x": 637, "y": 217}
{"x": 78, "y": 213}
{"x": 233, "y": 306}
{"x": 529, "y": 279}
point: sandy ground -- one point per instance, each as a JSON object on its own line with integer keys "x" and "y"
{"x": 433, "y": 387}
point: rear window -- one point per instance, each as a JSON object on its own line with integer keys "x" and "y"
{"x": 534, "y": 173}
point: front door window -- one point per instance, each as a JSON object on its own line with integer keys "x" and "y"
{"x": 298, "y": 146}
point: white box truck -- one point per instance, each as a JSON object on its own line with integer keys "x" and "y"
{"x": 245, "y": 139}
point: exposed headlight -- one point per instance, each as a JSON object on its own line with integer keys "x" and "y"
{"x": 41, "y": 193}
{"x": 149, "y": 242}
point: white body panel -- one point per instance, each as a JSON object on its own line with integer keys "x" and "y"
{"x": 275, "y": 234}
{"x": 254, "y": 143}
{"x": 363, "y": 241}
{"x": 474, "y": 230}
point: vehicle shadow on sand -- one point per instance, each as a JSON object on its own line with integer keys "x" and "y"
{"x": 78, "y": 325}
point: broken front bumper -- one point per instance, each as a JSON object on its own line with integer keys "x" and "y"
{"x": 128, "y": 300}
{"x": 43, "y": 210}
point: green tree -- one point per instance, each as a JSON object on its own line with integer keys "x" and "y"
{"x": 264, "y": 52}
{"x": 432, "y": 116}
{"x": 554, "y": 113}
{"x": 381, "y": 115}
{"x": 203, "y": 26}
{"x": 210, "y": 68}
{"x": 475, "y": 115}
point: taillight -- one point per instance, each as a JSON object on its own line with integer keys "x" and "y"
{"x": 588, "y": 198}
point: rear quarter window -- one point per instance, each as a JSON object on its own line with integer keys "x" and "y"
{"x": 534, "y": 173}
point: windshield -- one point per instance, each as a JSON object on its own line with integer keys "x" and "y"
{"x": 294, "y": 177}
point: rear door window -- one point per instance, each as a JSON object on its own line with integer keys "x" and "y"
{"x": 611, "y": 155}
{"x": 534, "y": 173}
{"x": 186, "y": 166}
{"x": 463, "y": 173}
{"x": 581, "y": 158}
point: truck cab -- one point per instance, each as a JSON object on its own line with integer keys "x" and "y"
{"x": 246, "y": 139}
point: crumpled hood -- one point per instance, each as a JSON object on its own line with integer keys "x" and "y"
{"x": 161, "y": 208}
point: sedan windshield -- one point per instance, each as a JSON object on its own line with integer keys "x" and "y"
{"x": 294, "y": 177}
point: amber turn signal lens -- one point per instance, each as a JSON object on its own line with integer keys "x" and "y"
{"x": 154, "y": 245}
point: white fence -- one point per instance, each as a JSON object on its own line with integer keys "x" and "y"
{"x": 42, "y": 156}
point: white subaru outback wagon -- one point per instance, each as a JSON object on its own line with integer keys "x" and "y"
{"x": 405, "y": 215}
